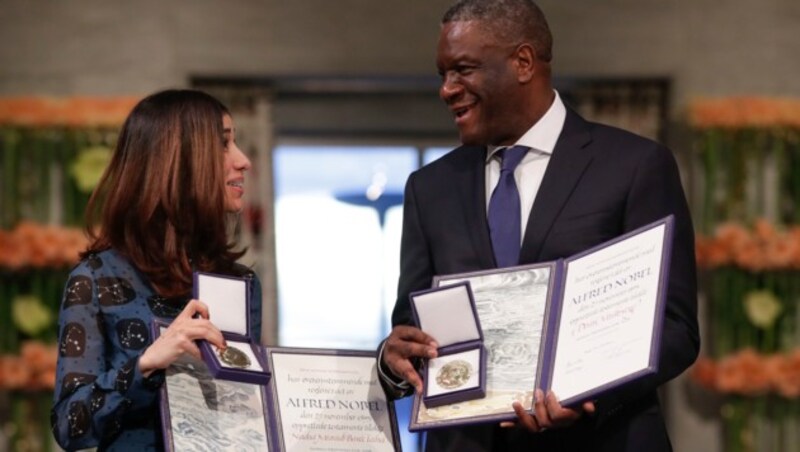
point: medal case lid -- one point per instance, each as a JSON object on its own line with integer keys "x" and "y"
{"x": 228, "y": 301}
{"x": 448, "y": 314}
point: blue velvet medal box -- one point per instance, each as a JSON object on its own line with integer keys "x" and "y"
{"x": 458, "y": 373}
{"x": 228, "y": 301}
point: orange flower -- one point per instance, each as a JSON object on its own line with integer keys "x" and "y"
{"x": 12, "y": 254}
{"x": 749, "y": 373}
{"x": 73, "y": 243}
{"x": 793, "y": 236}
{"x": 717, "y": 254}
{"x": 750, "y": 256}
{"x": 763, "y": 248}
{"x": 704, "y": 372}
{"x": 700, "y": 250}
{"x": 33, "y": 245}
{"x": 49, "y": 241}
{"x": 46, "y": 380}
{"x": 741, "y": 112}
{"x": 765, "y": 231}
{"x": 69, "y": 111}
{"x": 732, "y": 235}
{"x": 39, "y": 356}
{"x": 743, "y": 373}
{"x": 784, "y": 371}
{"x": 33, "y": 369}
{"x": 14, "y": 373}
{"x": 780, "y": 253}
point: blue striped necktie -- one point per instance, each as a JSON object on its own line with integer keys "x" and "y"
{"x": 504, "y": 210}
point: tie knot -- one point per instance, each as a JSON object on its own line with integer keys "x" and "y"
{"x": 511, "y": 157}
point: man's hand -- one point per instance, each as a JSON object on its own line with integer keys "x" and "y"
{"x": 403, "y": 344}
{"x": 548, "y": 413}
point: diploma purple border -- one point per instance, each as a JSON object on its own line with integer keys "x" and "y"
{"x": 552, "y": 317}
{"x": 658, "y": 320}
{"x": 275, "y": 432}
{"x": 163, "y": 402}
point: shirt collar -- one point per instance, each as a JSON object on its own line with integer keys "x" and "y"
{"x": 543, "y": 135}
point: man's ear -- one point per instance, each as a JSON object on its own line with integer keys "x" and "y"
{"x": 525, "y": 62}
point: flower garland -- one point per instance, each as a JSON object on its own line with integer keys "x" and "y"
{"x": 747, "y": 159}
{"x": 52, "y": 153}
{"x": 66, "y": 111}
{"x": 753, "y": 285}
{"x": 33, "y": 369}
{"x": 751, "y": 282}
{"x": 31, "y": 245}
{"x": 744, "y": 112}
{"x": 749, "y": 373}
{"x": 762, "y": 248}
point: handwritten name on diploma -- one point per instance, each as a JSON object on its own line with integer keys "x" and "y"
{"x": 619, "y": 282}
{"x": 329, "y": 404}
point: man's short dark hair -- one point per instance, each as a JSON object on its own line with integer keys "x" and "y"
{"x": 511, "y": 21}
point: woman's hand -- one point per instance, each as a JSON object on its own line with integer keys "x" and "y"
{"x": 191, "y": 324}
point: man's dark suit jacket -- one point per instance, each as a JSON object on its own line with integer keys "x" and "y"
{"x": 600, "y": 183}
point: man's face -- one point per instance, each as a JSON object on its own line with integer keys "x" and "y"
{"x": 479, "y": 84}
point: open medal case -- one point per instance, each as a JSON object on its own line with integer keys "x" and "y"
{"x": 228, "y": 301}
{"x": 458, "y": 373}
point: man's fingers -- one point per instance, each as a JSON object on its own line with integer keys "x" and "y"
{"x": 409, "y": 342}
{"x": 558, "y": 414}
{"x": 540, "y": 410}
{"x": 406, "y": 371}
{"x": 405, "y": 350}
{"x": 413, "y": 334}
{"x": 404, "y": 343}
{"x": 524, "y": 418}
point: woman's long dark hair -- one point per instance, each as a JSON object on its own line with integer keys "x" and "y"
{"x": 161, "y": 201}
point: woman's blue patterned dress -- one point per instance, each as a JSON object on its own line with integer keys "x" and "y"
{"x": 101, "y": 398}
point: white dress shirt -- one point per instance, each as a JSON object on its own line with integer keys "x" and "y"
{"x": 528, "y": 175}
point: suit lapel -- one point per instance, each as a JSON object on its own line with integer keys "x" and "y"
{"x": 570, "y": 158}
{"x": 472, "y": 196}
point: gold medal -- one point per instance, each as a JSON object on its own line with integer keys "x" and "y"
{"x": 234, "y": 357}
{"x": 454, "y": 374}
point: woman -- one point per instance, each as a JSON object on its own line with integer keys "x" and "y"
{"x": 161, "y": 210}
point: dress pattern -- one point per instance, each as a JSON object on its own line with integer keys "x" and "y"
{"x": 101, "y": 398}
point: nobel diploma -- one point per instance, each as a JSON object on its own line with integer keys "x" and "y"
{"x": 608, "y": 314}
{"x": 329, "y": 402}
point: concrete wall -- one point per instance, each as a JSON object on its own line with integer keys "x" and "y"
{"x": 718, "y": 47}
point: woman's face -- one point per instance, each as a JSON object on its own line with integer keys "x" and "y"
{"x": 236, "y": 163}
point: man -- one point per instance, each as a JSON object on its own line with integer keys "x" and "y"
{"x": 579, "y": 184}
